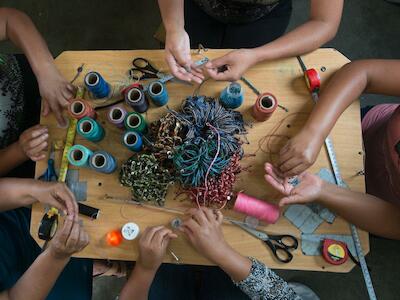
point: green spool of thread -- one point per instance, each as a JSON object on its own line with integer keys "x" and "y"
{"x": 79, "y": 156}
{"x": 90, "y": 129}
{"x": 135, "y": 122}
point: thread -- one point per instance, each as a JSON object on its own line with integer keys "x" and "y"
{"x": 232, "y": 96}
{"x": 135, "y": 98}
{"x": 133, "y": 141}
{"x": 79, "y": 108}
{"x": 116, "y": 115}
{"x": 103, "y": 162}
{"x": 96, "y": 84}
{"x": 90, "y": 129}
{"x": 135, "y": 122}
{"x": 130, "y": 231}
{"x": 79, "y": 156}
{"x": 158, "y": 93}
{"x": 256, "y": 208}
{"x": 313, "y": 80}
{"x": 264, "y": 107}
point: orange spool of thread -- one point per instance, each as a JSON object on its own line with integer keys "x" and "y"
{"x": 313, "y": 80}
{"x": 79, "y": 108}
{"x": 114, "y": 238}
{"x": 264, "y": 107}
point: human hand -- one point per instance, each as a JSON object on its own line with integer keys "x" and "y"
{"x": 203, "y": 230}
{"x": 308, "y": 190}
{"x": 55, "y": 194}
{"x": 152, "y": 246}
{"x": 299, "y": 153}
{"x": 177, "y": 56}
{"x": 70, "y": 239}
{"x": 231, "y": 66}
{"x": 33, "y": 142}
{"x": 56, "y": 91}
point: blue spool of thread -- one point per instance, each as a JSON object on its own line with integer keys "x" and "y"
{"x": 232, "y": 96}
{"x": 79, "y": 156}
{"x": 158, "y": 93}
{"x": 97, "y": 85}
{"x": 90, "y": 129}
{"x": 133, "y": 141}
{"x": 136, "y": 99}
{"x": 103, "y": 162}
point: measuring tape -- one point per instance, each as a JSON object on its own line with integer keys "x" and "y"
{"x": 339, "y": 181}
{"x": 334, "y": 252}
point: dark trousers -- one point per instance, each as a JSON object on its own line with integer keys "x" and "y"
{"x": 209, "y": 32}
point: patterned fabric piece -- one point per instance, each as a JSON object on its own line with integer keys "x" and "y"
{"x": 241, "y": 11}
{"x": 263, "y": 283}
{"x": 11, "y": 99}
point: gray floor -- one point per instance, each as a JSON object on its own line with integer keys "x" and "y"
{"x": 370, "y": 29}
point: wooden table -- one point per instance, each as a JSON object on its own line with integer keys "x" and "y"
{"x": 282, "y": 78}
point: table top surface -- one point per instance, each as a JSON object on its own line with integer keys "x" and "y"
{"x": 284, "y": 79}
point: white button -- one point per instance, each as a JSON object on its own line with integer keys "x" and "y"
{"x": 130, "y": 231}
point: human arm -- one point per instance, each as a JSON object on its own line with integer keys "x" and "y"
{"x": 54, "y": 88}
{"x": 38, "y": 280}
{"x": 177, "y": 42}
{"x": 365, "y": 211}
{"x": 321, "y": 27}
{"x": 370, "y": 76}
{"x": 203, "y": 230}
{"x": 18, "y": 192}
{"x": 152, "y": 246}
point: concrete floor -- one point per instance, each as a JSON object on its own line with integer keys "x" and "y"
{"x": 369, "y": 29}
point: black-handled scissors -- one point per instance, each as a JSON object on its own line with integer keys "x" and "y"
{"x": 142, "y": 69}
{"x": 280, "y": 244}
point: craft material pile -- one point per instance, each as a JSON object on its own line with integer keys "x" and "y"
{"x": 198, "y": 146}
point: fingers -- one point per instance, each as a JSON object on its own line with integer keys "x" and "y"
{"x": 67, "y": 199}
{"x": 220, "y": 217}
{"x": 176, "y": 70}
{"x": 199, "y": 216}
{"x": 46, "y": 108}
{"x": 192, "y": 225}
{"x": 209, "y": 214}
{"x": 274, "y": 173}
{"x": 65, "y": 232}
{"x": 56, "y": 108}
{"x": 296, "y": 170}
{"x": 149, "y": 233}
{"x": 275, "y": 184}
{"x": 293, "y": 199}
{"x": 74, "y": 235}
{"x": 161, "y": 237}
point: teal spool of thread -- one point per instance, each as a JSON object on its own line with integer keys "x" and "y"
{"x": 133, "y": 141}
{"x": 135, "y": 122}
{"x": 232, "y": 96}
{"x": 90, "y": 129}
{"x": 79, "y": 156}
{"x": 102, "y": 161}
{"x": 158, "y": 93}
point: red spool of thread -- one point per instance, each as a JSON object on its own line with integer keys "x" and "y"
{"x": 264, "y": 107}
{"x": 134, "y": 85}
{"x": 79, "y": 108}
{"x": 262, "y": 210}
{"x": 313, "y": 80}
{"x": 114, "y": 238}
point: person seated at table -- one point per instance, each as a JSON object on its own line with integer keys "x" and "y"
{"x": 202, "y": 228}
{"x": 27, "y": 272}
{"x": 256, "y": 26}
{"x": 23, "y": 80}
{"x": 378, "y": 211}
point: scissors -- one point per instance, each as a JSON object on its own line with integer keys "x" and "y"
{"x": 279, "y": 244}
{"x": 50, "y": 173}
{"x": 143, "y": 69}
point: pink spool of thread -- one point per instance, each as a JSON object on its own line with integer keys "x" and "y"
{"x": 256, "y": 208}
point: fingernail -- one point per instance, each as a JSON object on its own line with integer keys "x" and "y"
{"x": 70, "y": 217}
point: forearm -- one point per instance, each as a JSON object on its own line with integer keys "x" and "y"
{"x": 22, "y": 32}
{"x": 365, "y": 211}
{"x": 138, "y": 285}
{"x": 322, "y": 27}
{"x": 234, "y": 264}
{"x": 15, "y": 192}
{"x": 39, "y": 279}
{"x": 371, "y": 76}
{"x": 172, "y": 14}
{"x": 11, "y": 157}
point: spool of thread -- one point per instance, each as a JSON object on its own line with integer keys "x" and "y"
{"x": 79, "y": 156}
{"x": 135, "y": 98}
{"x": 79, "y": 108}
{"x": 232, "y": 96}
{"x": 130, "y": 231}
{"x": 96, "y": 84}
{"x": 256, "y": 208}
{"x": 114, "y": 238}
{"x": 264, "y": 107}
{"x": 133, "y": 141}
{"x": 158, "y": 93}
{"x": 313, "y": 80}
{"x": 116, "y": 115}
{"x": 103, "y": 162}
{"x": 135, "y": 122}
{"x": 90, "y": 129}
